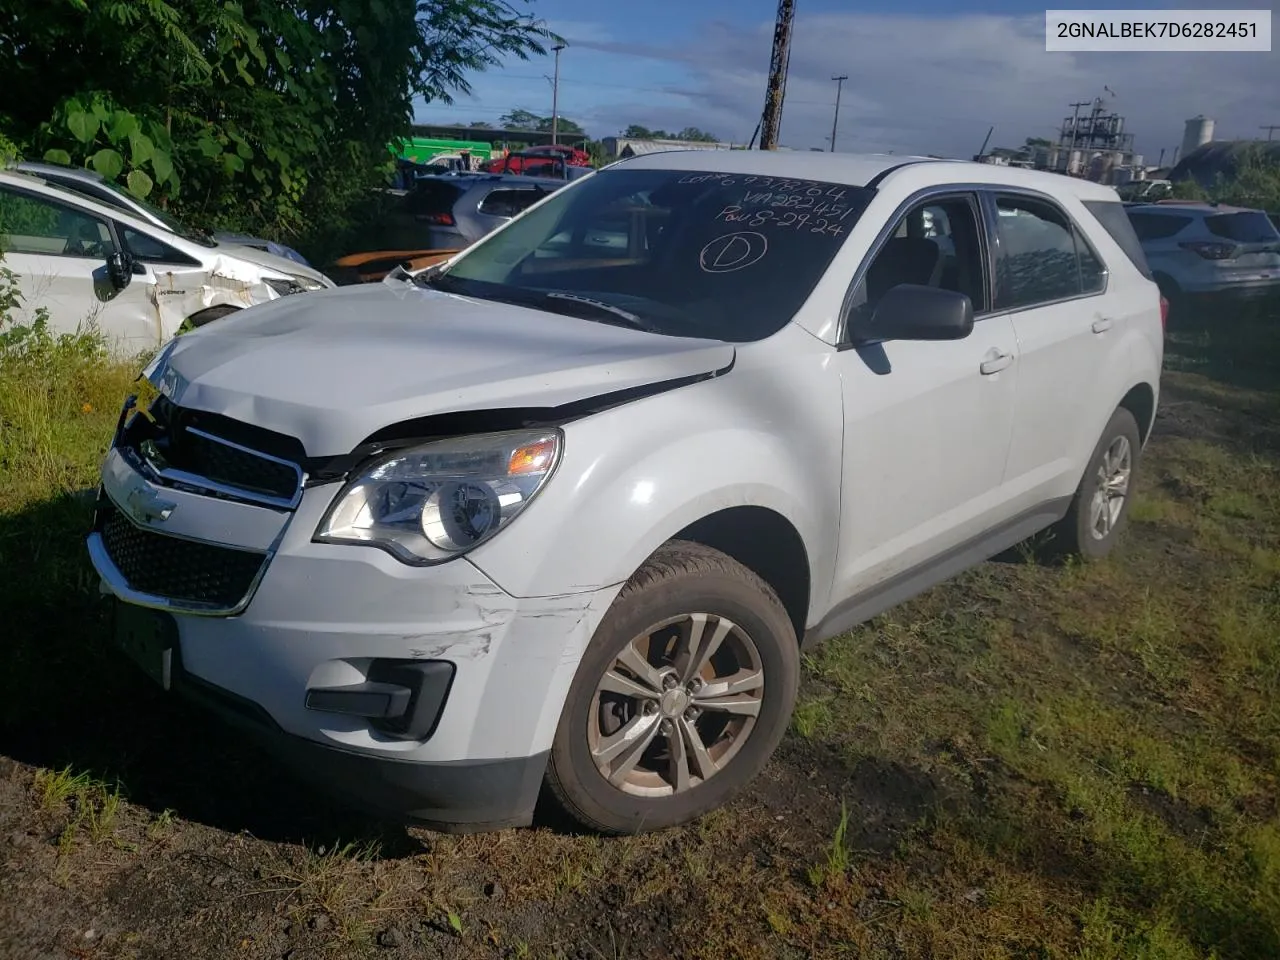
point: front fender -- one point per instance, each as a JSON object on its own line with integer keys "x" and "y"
{"x": 766, "y": 435}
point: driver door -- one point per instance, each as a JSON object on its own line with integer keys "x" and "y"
{"x": 58, "y": 251}
{"x": 928, "y": 424}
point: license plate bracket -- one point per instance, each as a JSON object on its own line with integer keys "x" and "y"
{"x": 150, "y": 639}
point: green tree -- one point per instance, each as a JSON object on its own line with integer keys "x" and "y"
{"x": 268, "y": 115}
{"x": 694, "y": 135}
{"x": 526, "y": 120}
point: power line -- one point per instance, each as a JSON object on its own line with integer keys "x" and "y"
{"x": 1270, "y": 129}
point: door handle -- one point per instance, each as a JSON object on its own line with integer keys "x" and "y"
{"x": 1101, "y": 325}
{"x": 995, "y": 362}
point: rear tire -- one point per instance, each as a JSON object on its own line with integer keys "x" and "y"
{"x": 681, "y": 698}
{"x": 1099, "y": 511}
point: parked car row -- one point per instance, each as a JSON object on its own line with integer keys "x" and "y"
{"x": 84, "y": 252}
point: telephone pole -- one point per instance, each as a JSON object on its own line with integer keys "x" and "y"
{"x": 771, "y": 119}
{"x": 1270, "y": 129}
{"x": 836, "y": 119}
{"x": 555, "y": 96}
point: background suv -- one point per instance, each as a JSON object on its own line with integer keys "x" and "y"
{"x": 1200, "y": 250}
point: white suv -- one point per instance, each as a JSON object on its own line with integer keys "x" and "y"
{"x": 567, "y": 513}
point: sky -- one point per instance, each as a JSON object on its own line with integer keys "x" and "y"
{"x": 925, "y": 76}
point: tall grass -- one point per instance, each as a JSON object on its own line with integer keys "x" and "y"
{"x": 60, "y": 398}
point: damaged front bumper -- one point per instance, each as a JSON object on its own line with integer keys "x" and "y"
{"x": 425, "y": 693}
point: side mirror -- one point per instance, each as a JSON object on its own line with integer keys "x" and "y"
{"x": 912, "y": 312}
{"x": 120, "y": 269}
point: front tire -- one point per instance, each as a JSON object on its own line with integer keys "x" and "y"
{"x": 1099, "y": 511}
{"x": 681, "y": 698}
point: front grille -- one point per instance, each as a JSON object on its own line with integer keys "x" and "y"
{"x": 179, "y": 570}
{"x": 206, "y": 457}
{"x": 189, "y": 446}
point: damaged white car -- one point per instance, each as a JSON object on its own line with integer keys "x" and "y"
{"x": 566, "y": 510}
{"x": 91, "y": 264}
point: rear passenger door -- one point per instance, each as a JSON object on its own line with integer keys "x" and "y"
{"x": 1050, "y": 283}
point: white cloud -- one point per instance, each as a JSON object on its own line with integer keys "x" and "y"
{"x": 934, "y": 84}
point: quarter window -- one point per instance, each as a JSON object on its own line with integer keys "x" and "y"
{"x": 1042, "y": 256}
{"x": 34, "y": 225}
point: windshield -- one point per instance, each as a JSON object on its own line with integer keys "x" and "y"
{"x": 715, "y": 255}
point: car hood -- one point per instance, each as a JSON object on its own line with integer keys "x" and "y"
{"x": 333, "y": 367}
{"x": 270, "y": 262}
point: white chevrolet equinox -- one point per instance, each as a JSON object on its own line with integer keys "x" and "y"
{"x": 565, "y": 511}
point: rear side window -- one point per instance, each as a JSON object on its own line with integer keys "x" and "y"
{"x": 1251, "y": 227}
{"x": 1156, "y": 226}
{"x": 1116, "y": 221}
{"x": 1041, "y": 257}
{"x": 509, "y": 203}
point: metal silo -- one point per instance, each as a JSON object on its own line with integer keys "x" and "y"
{"x": 1199, "y": 131}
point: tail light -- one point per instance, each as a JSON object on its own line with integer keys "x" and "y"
{"x": 1164, "y": 313}
{"x": 436, "y": 219}
{"x": 1210, "y": 251}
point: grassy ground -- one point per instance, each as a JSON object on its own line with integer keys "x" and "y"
{"x": 1031, "y": 761}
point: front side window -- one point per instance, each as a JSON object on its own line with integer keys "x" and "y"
{"x": 36, "y": 225}
{"x": 724, "y": 256}
{"x": 1041, "y": 257}
{"x": 147, "y": 248}
{"x": 935, "y": 244}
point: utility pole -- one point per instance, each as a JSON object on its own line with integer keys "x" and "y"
{"x": 1160, "y": 162}
{"x": 771, "y": 120}
{"x": 836, "y": 120}
{"x": 1270, "y": 129}
{"x": 555, "y": 96}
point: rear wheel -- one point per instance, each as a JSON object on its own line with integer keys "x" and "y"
{"x": 681, "y": 698}
{"x": 1100, "y": 509}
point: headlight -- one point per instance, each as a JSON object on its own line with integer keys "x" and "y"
{"x": 286, "y": 286}
{"x": 439, "y": 500}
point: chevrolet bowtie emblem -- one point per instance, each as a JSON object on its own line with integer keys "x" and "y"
{"x": 145, "y": 505}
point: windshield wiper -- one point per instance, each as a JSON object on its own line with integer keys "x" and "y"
{"x": 631, "y": 319}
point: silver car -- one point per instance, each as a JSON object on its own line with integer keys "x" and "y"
{"x": 452, "y": 211}
{"x": 1204, "y": 250}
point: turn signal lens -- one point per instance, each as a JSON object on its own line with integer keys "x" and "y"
{"x": 532, "y": 457}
